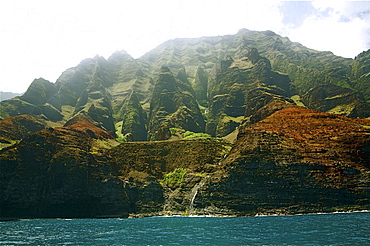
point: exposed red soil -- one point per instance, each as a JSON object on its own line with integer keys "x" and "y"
{"x": 322, "y": 137}
{"x": 17, "y": 127}
{"x": 87, "y": 128}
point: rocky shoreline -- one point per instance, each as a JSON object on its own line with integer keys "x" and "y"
{"x": 268, "y": 170}
{"x": 133, "y": 216}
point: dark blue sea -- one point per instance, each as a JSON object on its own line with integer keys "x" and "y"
{"x": 312, "y": 229}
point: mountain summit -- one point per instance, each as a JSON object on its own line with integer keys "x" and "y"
{"x": 230, "y": 125}
{"x": 227, "y": 76}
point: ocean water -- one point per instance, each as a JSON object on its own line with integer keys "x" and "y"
{"x": 311, "y": 229}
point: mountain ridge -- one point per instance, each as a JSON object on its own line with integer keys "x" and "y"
{"x": 102, "y": 85}
{"x": 122, "y": 137}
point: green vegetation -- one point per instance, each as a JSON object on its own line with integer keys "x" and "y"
{"x": 11, "y": 142}
{"x": 361, "y": 74}
{"x": 39, "y": 92}
{"x": 101, "y": 145}
{"x": 228, "y": 118}
{"x": 189, "y": 134}
{"x": 133, "y": 118}
{"x": 121, "y": 140}
{"x": 297, "y": 100}
{"x": 206, "y": 90}
{"x": 118, "y": 127}
{"x": 15, "y": 106}
{"x": 173, "y": 104}
{"x": 345, "y": 109}
{"x": 67, "y": 111}
{"x": 174, "y": 131}
{"x": 94, "y": 150}
{"x": 174, "y": 179}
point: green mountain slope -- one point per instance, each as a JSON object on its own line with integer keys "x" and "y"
{"x": 62, "y": 153}
{"x": 218, "y": 73}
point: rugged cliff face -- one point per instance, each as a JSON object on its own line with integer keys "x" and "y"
{"x": 53, "y": 173}
{"x": 337, "y": 100}
{"x": 76, "y": 171}
{"x": 224, "y": 75}
{"x": 160, "y": 175}
{"x": 361, "y": 74}
{"x": 292, "y": 160}
{"x": 134, "y": 119}
{"x": 61, "y": 157}
{"x": 240, "y": 88}
{"x": 173, "y": 105}
{"x": 295, "y": 160}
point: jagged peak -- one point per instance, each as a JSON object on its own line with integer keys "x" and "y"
{"x": 85, "y": 63}
{"x": 120, "y": 55}
{"x": 363, "y": 54}
{"x": 99, "y": 60}
{"x": 269, "y": 33}
{"x": 166, "y": 79}
{"x": 243, "y": 31}
{"x": 39, "y": 91}
{"x": 41, "y": 81}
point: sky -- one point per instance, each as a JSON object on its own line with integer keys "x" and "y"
{"x": 43, "y": 38}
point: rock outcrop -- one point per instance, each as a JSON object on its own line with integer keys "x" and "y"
{"x": 240, "y": 88}
{"x": 295, "y": 160}
{"x": 76, "y": 171}
{"x": 147, "y": 164}
{"x": 287, "y": 159}
{"x": 134, "y": 118}
{"x": 200, "y": 86}
{"x": 53, "y": 173}
{"x": 60, "y": 155}
{"x": 39, "y": 92}
{"x": 173, "y": 105}
{"x": 220, "y": 71}
{"x": 361, "y": 74}
{"x": 337, "y": 100}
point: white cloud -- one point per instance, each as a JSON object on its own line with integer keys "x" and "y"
{"x": 263, "y": 15}
{"x": 42, "y": 38}
{"x": 335, "y": 26}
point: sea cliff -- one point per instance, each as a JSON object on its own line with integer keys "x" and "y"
{"x": 239, "y": 125}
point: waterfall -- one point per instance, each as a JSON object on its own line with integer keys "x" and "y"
{"x": 191, "y": 207}
{"x": 194, "y": 193}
